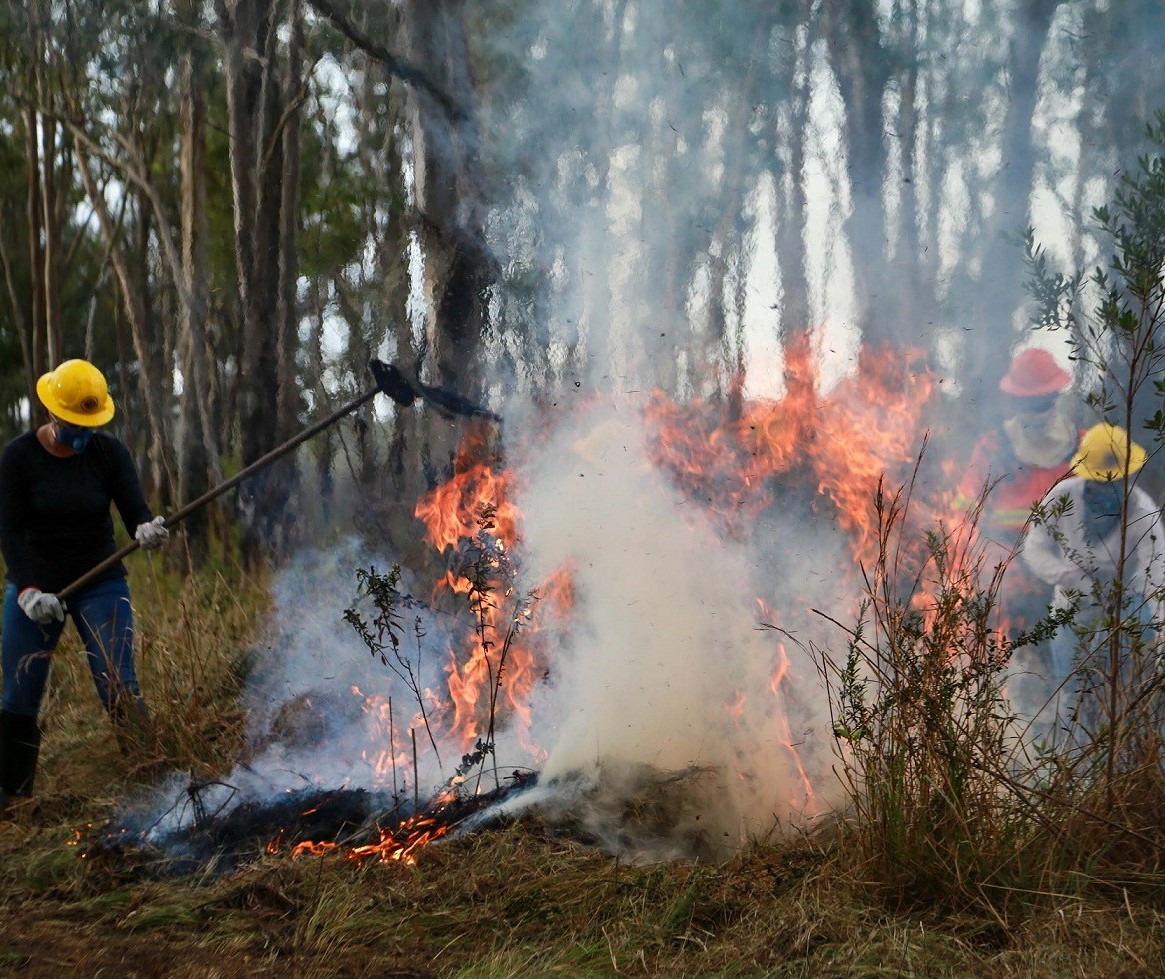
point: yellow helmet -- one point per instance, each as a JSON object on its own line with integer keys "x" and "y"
{"x": 76, "y": 393}
{"x": 1101, "y": 455}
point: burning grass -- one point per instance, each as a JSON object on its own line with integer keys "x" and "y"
{"x": 517, "y": 900}
{"x": 527, "y": 896}
{"x": 954, "y": 803}
{"x": 950, "y": 859}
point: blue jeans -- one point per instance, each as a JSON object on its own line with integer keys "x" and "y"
{"x": 104, "y": 621}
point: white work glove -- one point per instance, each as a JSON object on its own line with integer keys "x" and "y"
{"x": 151, "y": 534}
{"x": 41, "y": 607}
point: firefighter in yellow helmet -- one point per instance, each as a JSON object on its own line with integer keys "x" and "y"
{"x": 57, "y": 483}
{"x": 1076, "y": 546}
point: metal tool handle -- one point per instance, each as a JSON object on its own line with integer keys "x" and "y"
{"x": 179, "y": 515}
{"x": 390, "y": 380}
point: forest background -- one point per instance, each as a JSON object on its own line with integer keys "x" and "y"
{"x": 231, "y": 206}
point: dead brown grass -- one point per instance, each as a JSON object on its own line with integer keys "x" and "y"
{"x": 518, "y": 901}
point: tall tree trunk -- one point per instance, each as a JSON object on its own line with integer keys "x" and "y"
{"x": 285, "y": 473}
{"x": 449, "y": 196}
{"x": 44, "y": 224}
{"x": 993, "y": 299}
{"x": 851, "y": 32}
{"x": 792, "y": 204}
{"x": 915, "y": 296}
{"x": 35, "y": 212}
{"x": 248, "y": 35}
{"x": 199, "y": 450}
{"x": 289, "y": 311}
{"x": 51, "y": 226}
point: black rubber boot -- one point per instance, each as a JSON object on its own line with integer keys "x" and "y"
{"x": 19, "y": 750}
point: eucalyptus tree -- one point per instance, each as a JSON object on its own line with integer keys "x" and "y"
{"x": 998, "y": 289}
{"x": 264, "y": 96}
{"x": 15, "y": 347}
{"x": 504, "y": 196}
{"x": 54, "y": 262}
{"x": 860, "y": 58}
{"x": 418, "y": 289}
{"x": 1115, "y": 48}
{"x": 16, "y": 253}
{"x": 451, "y": 198}
{"x": 32, "y": 61}
{"x": 634, "y": 140}
{"x": 122, "y": 123}
{"x": 200, "y": 451}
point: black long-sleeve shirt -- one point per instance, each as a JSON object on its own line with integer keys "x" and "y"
{"x": 55, "y": 521}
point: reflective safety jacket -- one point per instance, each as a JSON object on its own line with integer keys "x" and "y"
{"x": 1018, "y": 486}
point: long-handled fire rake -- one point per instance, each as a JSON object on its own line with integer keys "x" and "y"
{"x": 390, "y": 380}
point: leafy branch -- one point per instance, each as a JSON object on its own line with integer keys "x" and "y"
{"x": 383, "y": 633}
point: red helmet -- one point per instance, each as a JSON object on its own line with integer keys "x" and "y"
{"x": 1034, "y": 372}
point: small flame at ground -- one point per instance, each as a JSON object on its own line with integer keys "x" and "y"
{"x": 398, "y": 845}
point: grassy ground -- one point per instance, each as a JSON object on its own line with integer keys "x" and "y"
{"x": 518, "y": 902}
{"x": 514, "y": 901}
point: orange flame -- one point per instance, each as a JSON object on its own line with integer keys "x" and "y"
{"x": 399, "y": 844}
{"x": 737, "y": 458}
{"x": 777, "y": 685}
{"x": 869, "y": 427}
{"x": 450, "y": 512}
{"x": 829, "y": 450}
{"x": 494, "y": 678}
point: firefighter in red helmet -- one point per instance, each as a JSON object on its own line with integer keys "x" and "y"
{"x": 1021, "y": 459}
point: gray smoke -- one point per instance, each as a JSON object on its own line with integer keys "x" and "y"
{"x": 644, "y": 186}
{"x": 668, "y": 667}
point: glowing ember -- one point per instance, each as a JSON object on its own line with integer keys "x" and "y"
{"x": 398, "y": 845}
{"x": 402, "y": 842}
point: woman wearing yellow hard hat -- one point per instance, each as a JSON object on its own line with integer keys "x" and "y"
{"x": 57, "y": 483}
{"x": 1076, "y": 545}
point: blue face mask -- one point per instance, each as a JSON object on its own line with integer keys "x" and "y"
{"x": 75, "y": 437}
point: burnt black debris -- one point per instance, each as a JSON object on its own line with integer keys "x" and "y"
{"x": 224, "y": 839}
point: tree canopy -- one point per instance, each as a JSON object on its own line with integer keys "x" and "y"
{"x": 231, "y": 206}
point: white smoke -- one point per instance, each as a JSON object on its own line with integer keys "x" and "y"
{"x": 668, "y": 666}
{"x": 659, "y": 726}
{"x": 324, "y": 711}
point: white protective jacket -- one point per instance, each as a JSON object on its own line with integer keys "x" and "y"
{"x": 1056, "y": 551}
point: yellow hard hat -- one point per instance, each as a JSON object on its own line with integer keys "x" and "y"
{"x": 76, "y": 393}
{"x": 1101, "y": 455}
